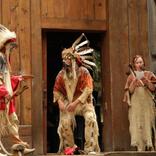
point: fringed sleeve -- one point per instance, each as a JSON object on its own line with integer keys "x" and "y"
{"x": 15, "y": 80}
{"x": 85, "y": 85}
{"x": 59, "y": 87}
{"x": 126, "y": 98}
{"x": 152, "y": 79}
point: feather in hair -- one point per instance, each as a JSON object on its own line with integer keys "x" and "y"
{"x": 82, "y": 44}
{"x": 84, "y": 52}
{"x": 77, "y": 40}
{"x": 89, "y": 63}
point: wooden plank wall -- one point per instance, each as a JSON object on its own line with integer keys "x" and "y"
{"x": 37, "y": 100}
{"x": 57, "y": 14}
{"x": 15, "y": 15}
{"x": 27, "y": 18}
{"x": 81, "y": 14}
{"x": 126, "y": 36}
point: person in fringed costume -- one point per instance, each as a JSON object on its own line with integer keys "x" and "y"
{"x": 138, "y": 95}
{"x": 9, "y": 88}
{"x": 73, "y": 93}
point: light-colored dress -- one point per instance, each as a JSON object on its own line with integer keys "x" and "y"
{"x": 141, "y": 113}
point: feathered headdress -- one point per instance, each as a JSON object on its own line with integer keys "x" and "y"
{"x": 81, "y": 52}
{"x": 6, "y": 36}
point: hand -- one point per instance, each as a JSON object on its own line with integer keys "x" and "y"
{"x": 71, "y": 107}
{"x": 134, "y": 82}
{"x": 133, "y": 85}
{"x": 137, "y": 82}
{"x": 61, "y": 105}
{"x": 8, "y": 98}
{"x": 145, "y": 81}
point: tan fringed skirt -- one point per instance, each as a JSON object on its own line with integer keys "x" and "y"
{"x": 141, "y": 119}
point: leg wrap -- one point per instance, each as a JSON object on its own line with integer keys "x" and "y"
{"x": 65, "y": 133}
{"x": 91, "y": 132}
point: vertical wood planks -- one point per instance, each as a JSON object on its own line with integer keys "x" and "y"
{"x": 133, "y": 27}
{"x": 118, "y": 56}
{"x": 25, "y": 57}
{"x": 6, "y": 15}
{"x": 37, "y": 87}
{"x": 44, "y": 8}
{"x": 15, "y": 56}
{"x": 143, "y": 30}
{"x": 77, "y": 9}
{"x": 138, "y": 35}
{"x": 73, "y": 8}
{"x": 100, "y": 9}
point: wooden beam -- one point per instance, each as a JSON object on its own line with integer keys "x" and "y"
{"x": 56, "y": 23}
{"x": 114, "y": 69}
{"x": 143, "y": 30}
{"x": 138, "y": 29}
{"x": 37, "y": 99}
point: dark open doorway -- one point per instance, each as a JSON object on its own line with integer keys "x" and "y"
{"x": 56, "y": 42}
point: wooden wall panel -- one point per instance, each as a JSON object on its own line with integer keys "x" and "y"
{"x": 79, "y": 13}
{"x": 25, "y": 57}
{"x": 119, "y": 56}
{"x": 14, "y": 26}
{"x": 126, "y": 36}
{"x": 44, "y": 8}
{"x": 77, "y": 9}
{"x": 52, "y": 8}
{"x": 133, "y": 28}
{"x": 15, "y": 15}
{"x": 56, "y": 8}
{"x": 143, "y": 31}
{"x": 87, "y": 10}
{"x": 74, "y": 9}
{"x": 65, "y": 24}
{"x": 37, "y": 87}
{"x": 138, "y": 35}
{"x": 106, "y": 96}
{"x": 100, "y": 9}
{"x": 6, "y": 15}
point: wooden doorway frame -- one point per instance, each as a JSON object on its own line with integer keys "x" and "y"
{"x": 44, "y": 77}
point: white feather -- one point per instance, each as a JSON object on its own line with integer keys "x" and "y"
{"x": 89, "y": 63}
{"x": 81, "y": 44}
{"x": 84, "y": 52}
{"x": 78, "y": 40}
{"x": 87, "y": 66}
{"x": 5, "y": 35}
{"x": 87, "y": 57}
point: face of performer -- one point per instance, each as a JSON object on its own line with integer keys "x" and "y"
{"x": 139, "y": 63}
{"x": 67, "y": 57}
{"x": 67, "y": 61}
